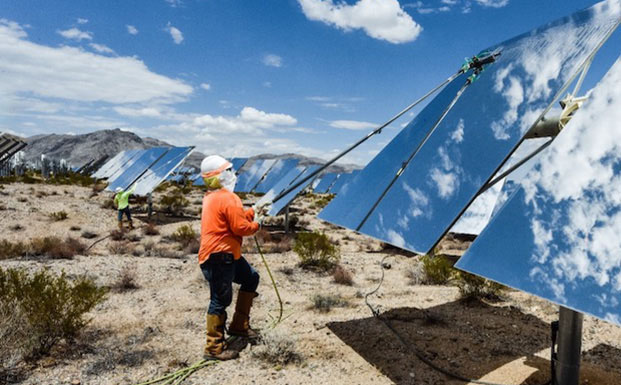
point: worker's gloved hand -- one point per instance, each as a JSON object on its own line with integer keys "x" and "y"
{"x": 262, "y": 208}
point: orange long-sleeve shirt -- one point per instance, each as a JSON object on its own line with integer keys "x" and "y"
{"x": 223, "y": 224}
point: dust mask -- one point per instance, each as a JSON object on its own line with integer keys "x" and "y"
{"x": 228, "y": 179}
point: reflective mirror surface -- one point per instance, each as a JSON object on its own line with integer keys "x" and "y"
{"x": 247, "y": 180}
{"x": 284, "y": 201}
{"x": 327, "y": 180}
{"x": 115, "y": 164}
{"x": 558, "y": 235}
{"x": 161, "y": 169}
{"x": 132, "y": 156}
{"x": 238, "y": 163}
{"x": 142, "y": 163}
{"x": 276, "y": 173}
{"x": 282, "y": 184}
{"x": 482, "y": 129}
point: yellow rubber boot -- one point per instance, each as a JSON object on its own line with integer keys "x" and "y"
{"x": 216, "y": 345}
{"x": 240, "y": 325}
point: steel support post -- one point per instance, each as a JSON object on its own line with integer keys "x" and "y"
{"x": 569, "y": 347}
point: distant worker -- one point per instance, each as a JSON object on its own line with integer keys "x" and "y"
{"x": 121, "y": 201}
{"x": 223, "y": 224}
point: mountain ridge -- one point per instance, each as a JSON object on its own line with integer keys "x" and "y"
{"x": 80, "y": 149}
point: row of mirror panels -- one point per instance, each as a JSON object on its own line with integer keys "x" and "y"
{"x": 557, "y": 236}
{"x": 493, "y": 114}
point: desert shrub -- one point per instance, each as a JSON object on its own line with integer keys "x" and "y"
{"x": 325, "y": 302}
{"x": 415, "y": 274}
{"x": 108, "y": 204}
{"x": 16, "y": 337}
{"x": 438, "y": 269}
{"x": 2, "y": 207}
{"x": 16, "y": 227}
{"x": 184, "y": 234}
{"x": 342, "y": 276}
{"x": 150, "y": 229}
{"x": 174, "y": 202}
{"x": 53, "y": 306}
{"x": 192, "y": 247}
{"x": 151, "y": 250}
{"x": 119, "y": 248}
{"x": 22, "y": 199}
{"x": 126, "y": 281}
{"x": 162, "y": 187}
{"x": 277, "y": 347}
{"x": 474, "y": 287}
{"x": 59, "y": 215}
{"x": 316, "y": 251}
{"x": 117, "y": 235}
{"x": 41, "y": 194}
{"x": 132, "y": 237}
{"x": 9, "y": 249}
{"x": 71, "y": 178}
{"x": 75, "y": 228}
{"x": 319, "y": 202}
{"x": 88, "y": 235}
{"x": 54, "y": 247}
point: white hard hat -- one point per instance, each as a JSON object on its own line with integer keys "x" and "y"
{"x": 213, "y": 165}
{"x": 118, "y": 190}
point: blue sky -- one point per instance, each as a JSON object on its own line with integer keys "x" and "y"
{"x": 245, "y": 77}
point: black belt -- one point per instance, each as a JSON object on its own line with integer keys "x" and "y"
{"x": 226, "y": 258}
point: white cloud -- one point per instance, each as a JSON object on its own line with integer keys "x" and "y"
{"x": 206, "y": 86}
{"x": 446, "y": 182}
{"x": 75, "y": 34}
{"x": 380, "y": 19}
{"x": 174, "y": 3}
{"x": 458, "y": 134}
{"x": 73, "y": 74}
{"x": 82, "y": 21}
{"x": 146, "y": 112}
{"x": 132, "y": 30}
{"x": 174, "y": 33}
{"x": 493, "y": 3}
{"x": 577, "y": 180}
{"x": 101, "y": 48}
{"x": 352, "y": 124}
{"x": 272, "y": 60}
{"x": 267, "y": 84}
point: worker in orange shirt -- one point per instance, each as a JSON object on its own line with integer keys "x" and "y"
{"x": 223, "y": 224}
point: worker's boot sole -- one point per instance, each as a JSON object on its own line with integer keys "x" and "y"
{"x": 224, "y": 356}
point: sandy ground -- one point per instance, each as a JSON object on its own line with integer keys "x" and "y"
{"x": 140, "y": 334}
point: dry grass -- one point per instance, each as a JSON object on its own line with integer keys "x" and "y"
{"x": 150, "y": 229}
{"x": 126, "y": 281}
{"x": 277, "y": 347}
{"x": 325, "y": 302}
{"x": 120, "y": 248}
{"x": 58, "y": 216}
{"x": 342, "y": 276}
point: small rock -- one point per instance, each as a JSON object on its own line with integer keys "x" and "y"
{"x": 75, "y": 382}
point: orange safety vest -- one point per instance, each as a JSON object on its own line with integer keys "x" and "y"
{"x": 223, "y": 224}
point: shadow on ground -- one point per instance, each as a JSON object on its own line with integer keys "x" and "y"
{"x": 471, "y": 339}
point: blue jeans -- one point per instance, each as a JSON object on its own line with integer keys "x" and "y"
{"x": 126, "y": 212}
{"x": 221, "y": 276}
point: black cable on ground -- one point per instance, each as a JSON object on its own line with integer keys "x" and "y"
{"x": 410, "y": 347}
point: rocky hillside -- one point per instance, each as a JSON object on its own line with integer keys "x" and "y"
{"x": 79, "y": 149}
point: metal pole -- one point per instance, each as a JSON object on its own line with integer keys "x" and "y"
{"x": 569, "y": 347}
{"x": 287, "y": 219}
